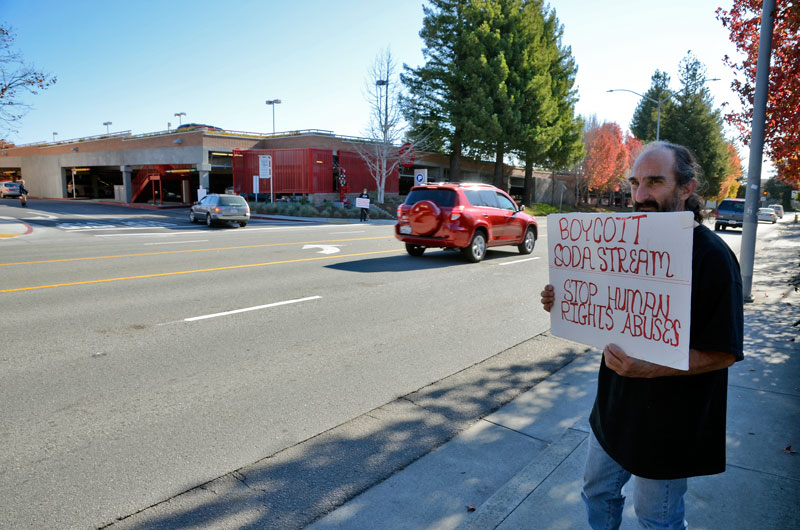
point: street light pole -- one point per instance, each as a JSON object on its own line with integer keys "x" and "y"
{"x": 656, "y": 101}
{"x": 272, "y": 103}
{"x": 106, "y": 123}
{"x": 384, "y": 126}
{"x": 179, "y": 115}
{"x": 54, "y": 137}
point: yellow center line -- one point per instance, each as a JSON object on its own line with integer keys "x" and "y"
{"x": 116, "y": 256}
{"x": 230, "y": 267}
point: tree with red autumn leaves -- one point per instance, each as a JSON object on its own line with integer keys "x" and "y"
{"x": 782, "y": 135}
{"x": 608, "y": 156}
{"x": 729, "y": 186}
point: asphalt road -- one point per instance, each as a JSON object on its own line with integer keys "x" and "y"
{"x": 143, "y": 355}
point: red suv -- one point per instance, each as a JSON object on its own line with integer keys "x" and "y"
{"x": 471, "y": 217}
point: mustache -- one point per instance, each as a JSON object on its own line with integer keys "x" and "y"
{"x": 647, "y": 204}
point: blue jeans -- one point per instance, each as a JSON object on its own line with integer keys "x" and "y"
{"x": 658, "y": 503}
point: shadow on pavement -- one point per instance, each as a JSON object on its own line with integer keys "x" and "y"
{"x": 432, "y": 259}
{"x": 299, "y": 484}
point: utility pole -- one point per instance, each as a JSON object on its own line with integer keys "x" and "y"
{"x": 750, "y": 225}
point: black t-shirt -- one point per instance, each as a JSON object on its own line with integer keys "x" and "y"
{"x": 674, "y": 427}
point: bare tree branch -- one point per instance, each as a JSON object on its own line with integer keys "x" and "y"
{"x": 16, "y": 77}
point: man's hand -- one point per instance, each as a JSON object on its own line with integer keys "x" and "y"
{"x": 699, "y": 362}
{"x": 627, "y": 366}
{"x": 548, "y": 297}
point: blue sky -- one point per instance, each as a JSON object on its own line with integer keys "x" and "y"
{"x": 138, "y": 63}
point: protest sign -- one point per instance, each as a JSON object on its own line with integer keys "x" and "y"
{"x": 623, "y": 279}
{"x": 362, "y": 202}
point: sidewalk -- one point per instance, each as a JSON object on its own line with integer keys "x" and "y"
{"x": 521, "y": 467}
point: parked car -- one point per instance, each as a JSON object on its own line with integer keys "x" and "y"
{"x": 214, "y": 208}
{"x": 778, "y": 210}
{"x": 470, "y": 217}
{"x": 730, "y": 213}
{"x": 9, "y": 189}
{"x": 767, "y": 214}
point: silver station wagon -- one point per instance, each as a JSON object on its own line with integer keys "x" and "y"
{"x": 215, "y": 209}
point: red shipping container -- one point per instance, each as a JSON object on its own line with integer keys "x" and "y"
{"x": 304, "y": 171}
{"x": 359, "y": 177}
{"x": 297, "y": 171}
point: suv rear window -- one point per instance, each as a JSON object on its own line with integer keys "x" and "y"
{"x": 441, "y": 197}
{"x": 732, "y": 206}
{"x": 231, "y": 200}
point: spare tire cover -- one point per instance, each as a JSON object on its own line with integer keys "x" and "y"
{"x": 425, "y": 217}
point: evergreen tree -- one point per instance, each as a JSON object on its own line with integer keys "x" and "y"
{"x": 493, "y": 68}
{"x": 694, "y": 122}
{"x": 435, "y": 106}
{"x": 644, "y": 124}
{"x": 565, "y": 130}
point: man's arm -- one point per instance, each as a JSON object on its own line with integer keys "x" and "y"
{"x": 700, "y": 361}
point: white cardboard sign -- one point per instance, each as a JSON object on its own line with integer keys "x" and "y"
{"x": 624, "y": 279}
{"x": 361, "y": 202}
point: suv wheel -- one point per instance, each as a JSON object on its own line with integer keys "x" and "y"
{"x": 414, "y": 250}
{"x": 192, "y": 218}
{"x": 477, "y": 248}
{"x": 209, "y": 221}
{"x": 528, "y": 242}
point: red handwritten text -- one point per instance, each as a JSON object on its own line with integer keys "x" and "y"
{"x": 599, "y": 229}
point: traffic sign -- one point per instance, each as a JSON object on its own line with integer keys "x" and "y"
{"x": 421, "y": 177}
{"x": 265, "y": 166}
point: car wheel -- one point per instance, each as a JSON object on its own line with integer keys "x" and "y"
{"x": 716, "y": 227}
{"x": 415, "y": 250}
{"x": 209, "y": 221}
{"x": 477, "y": 248}
{"x": 192, "y": 218}
{"x": 526, "y": 247}
{"x": 242, "y": 223}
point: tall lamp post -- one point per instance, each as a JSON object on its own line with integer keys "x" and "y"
{"x": 656, "y": 101}
{"x": 179, "y": 115}
{"x": 384, "y": 122}
{"x": 272, "y": 103}
{"x": 381, "y": 83}
{"x": 54, "y": 137}
{"x": 106, "y": 123}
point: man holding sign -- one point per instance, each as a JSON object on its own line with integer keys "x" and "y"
{"x": 662, "y": 419}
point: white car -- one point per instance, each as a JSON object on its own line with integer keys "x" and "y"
{"x": 9, "y": 189}
{"x": 767, "y": 214}
{"x": 778, "y": 210}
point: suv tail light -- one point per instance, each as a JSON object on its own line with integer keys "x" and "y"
{"x": 401, "y": 211}
{"x": 456, "y": 213}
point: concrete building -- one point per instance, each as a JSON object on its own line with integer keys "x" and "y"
{"x": 169, "y": 166}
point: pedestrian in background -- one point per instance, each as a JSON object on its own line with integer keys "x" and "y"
{"x": 364, "y": 211}
{"x": 659, "y": 424}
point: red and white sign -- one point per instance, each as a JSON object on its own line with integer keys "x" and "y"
{"x": 623, "y": 279}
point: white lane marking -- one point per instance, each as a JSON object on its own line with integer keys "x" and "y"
{"x": 324, "y": 249}
{"x": 178, "y": 242}
{"x": 353, "y": 232}
{"x": 109, "y": 227}
{"x": 285, "y": 302}
{"x": 195, "y": 232}
{"x": 43, "y": 217}
{"x": 518, "y": 261}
